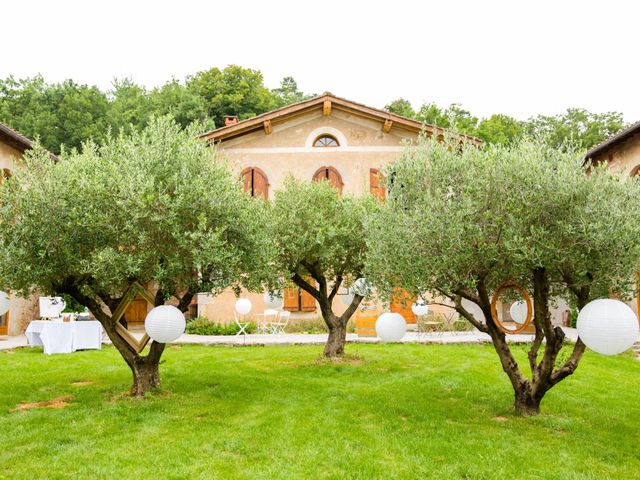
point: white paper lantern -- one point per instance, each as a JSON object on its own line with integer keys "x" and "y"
{"x": 361, "y": 287}
{"x": 607, "y": 326}
{"x": 518, "y": 311}
{"x": 273, "y": 300}
{"x": 474, "y": 309}
{"x": 243, "y": 306}
{"x": 391, "y": 327}
{"x": 164, "y": 324}
{"x": 5, "y": 303}
{"x": 420, "y": 308}
{"x": 347, "y": 299}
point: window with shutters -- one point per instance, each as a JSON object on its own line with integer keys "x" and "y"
{"x": 376, "y": 185}
{"x": 331, "y": 175}
{"x": 298, "y": 300}
{"x": 326, "y": 141}
{"x": 255, "y": 182}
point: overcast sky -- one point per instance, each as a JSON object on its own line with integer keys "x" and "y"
{"x": 514, "y": 57}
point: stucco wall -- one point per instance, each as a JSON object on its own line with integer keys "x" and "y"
{"x": 23, "y": 310}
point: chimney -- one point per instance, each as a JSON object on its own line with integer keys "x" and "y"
{"x": 230, "y": 120}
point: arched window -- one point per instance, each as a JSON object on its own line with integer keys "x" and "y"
{"x": 255, "y": 182}
{"x": 326, "y": 141}
{"x": 376, "y": 185}
{"x": 330, "y": 174}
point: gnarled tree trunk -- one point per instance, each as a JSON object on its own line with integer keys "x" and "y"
{"x": 528, "y": 393}
{"x": 337, "y": 324}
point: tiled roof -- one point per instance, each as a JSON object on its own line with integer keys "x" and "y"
{"x": 614, "y": 139}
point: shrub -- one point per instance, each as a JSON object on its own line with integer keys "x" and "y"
{"x": 204, "y": 326}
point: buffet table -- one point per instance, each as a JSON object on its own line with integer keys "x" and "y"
{"x": 64, "y": 337}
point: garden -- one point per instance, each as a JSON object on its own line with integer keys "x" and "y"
{"x": 386, "y": 411}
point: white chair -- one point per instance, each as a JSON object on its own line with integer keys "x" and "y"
{"x": 268, "y": 318}
{"x": 242, "y": 326}
{"x": 281, "y": 323}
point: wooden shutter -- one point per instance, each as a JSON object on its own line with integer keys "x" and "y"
{"x": 307, "y": 302}
{"x": 247, "y": 179}
{"x": 291, "y": 299}
{"x": 260, "y": 184}
{"x": 330, "y": 174}
{"x": 376, "y": 186}
{"x": 401, "y": 303}
{"x": 334, "y": 177}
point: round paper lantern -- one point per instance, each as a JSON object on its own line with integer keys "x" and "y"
{"x": 607, "y": 326}
{"x": 4, "y": 303}
{"x": 518, "y": 311}
{"x": 273, "y": 300}
{"x": 391, "y": 327}
{"x": 420, "y": 308}
{"x": 164, "y": 324}
{"x": 474, "y": 309}
{"x": 361, "y": 287}
{"x": 347, "y": 299}
{"x": 243, "y": 306}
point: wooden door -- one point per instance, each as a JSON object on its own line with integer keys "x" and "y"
{"x": 401, "y": 303}
{"x": 376, "y": 187}
{"x": 4, "y": 324}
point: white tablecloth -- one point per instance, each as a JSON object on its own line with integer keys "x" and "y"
{"x": 61, "y": 337}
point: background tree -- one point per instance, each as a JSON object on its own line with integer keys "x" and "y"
{"x": 457, "y": 225}
{"x": 154, "y": 207}
{"x": 318, "y": 237}
{"x": 402, "y": 107}
{"x": 232, "y": 91}
{"x": 577, "y": 126}
{"x": 500, "y": 129}
{"x": 288, "y": 93}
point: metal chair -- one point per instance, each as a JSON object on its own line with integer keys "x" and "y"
{"x": 281, "y": 323}
{"x": 242, "y": 326}
{"x": 268, "y": 318}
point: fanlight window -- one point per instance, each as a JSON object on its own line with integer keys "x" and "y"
{"x": 326, "y": 141}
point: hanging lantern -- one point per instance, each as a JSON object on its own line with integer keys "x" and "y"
{"x": 607, "y": 326}
{"x": 243, "y": 306}
{"x": 273, "y": 300}
{"x": 5, "y": 303}
{"x": 164, "y": 324}
{"x": 361, "y": 287}
{"x": 518, "y": 311}
{"x": 391, "y": 327}
{"x": 347, "y": 299}
{"x": 420, "y": 308}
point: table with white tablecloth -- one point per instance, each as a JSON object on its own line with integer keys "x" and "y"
{"x": 64, "y": 337}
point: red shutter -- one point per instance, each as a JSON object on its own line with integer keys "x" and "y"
{"x": 247, "y": 179}
{"x": 376, "y": 186}
{"x": 307, "y": 302}
{"x": 260, "y": 184}
{"x": 334, "y": 177}
{"x": 401, "y": 303}
{"x": 291, "y": 299}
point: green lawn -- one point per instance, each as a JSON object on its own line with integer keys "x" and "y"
{"x": 409, "y": 411}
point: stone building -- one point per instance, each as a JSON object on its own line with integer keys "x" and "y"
{"x": 325, "y": 137}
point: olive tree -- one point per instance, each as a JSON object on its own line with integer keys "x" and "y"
{"x": 460, "y": 221}
{"x": 154, "y": 207}
{"x": 317, "y": 237}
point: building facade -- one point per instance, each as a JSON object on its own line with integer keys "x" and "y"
{"x": 23, "y": 310}
{"x": 325, "y": 137}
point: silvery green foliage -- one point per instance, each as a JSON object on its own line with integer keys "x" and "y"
{"x": 154, "y": 206}
{"x": 311, "y": 223}
{"x": 457, "y": 213}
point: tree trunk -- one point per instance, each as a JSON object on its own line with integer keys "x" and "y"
{"x": 335, "y": 343}
{"x": 525, "y": 402}
{"x": 146, "y": 376}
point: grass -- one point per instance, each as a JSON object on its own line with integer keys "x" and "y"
{"x": 391, "y": 411}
